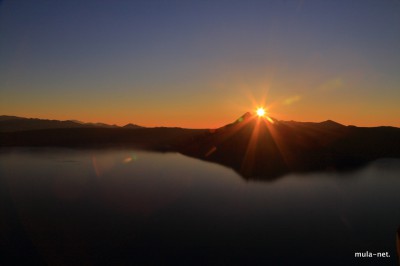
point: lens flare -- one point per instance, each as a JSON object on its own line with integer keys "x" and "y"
{"x": 260, "y": 112}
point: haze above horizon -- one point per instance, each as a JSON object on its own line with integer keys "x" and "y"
{"x": 198, "y": 64}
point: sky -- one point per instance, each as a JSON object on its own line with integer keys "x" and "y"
{"x": 201, "y": 64}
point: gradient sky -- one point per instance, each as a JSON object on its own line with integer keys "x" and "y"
{"x": 201, "y": 63}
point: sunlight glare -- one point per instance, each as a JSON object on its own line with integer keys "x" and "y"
{"x": 260, "y": 112}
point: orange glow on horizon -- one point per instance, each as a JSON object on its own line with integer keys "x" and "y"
{"x": 214, "y": 116}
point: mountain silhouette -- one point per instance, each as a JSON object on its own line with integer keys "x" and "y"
{"x": 265, "y": 148}
{"x": 130, "y": 125}
{"x": 256, "y": 147}
{"x": 19, "y": 131}
{"x": 9, "y": 117}
{"x": 243, "y": 144}
{"x": 14, "y": 123}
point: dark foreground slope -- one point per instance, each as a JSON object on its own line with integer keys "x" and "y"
{"x": 266, "y": 148}
{"x": 19, "y": 131}
{"x": 146, "y": 138}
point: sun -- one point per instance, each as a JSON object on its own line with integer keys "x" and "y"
{"x": 260, "y": 112}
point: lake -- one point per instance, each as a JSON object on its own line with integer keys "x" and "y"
{"x": 131, "y": 207}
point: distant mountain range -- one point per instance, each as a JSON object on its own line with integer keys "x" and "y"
{"x": 18, "y": 131}
{"x": 256, "y": 147}
{"x": 15, "y": 123}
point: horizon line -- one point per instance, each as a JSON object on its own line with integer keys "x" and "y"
{"x": 133, "y": 123}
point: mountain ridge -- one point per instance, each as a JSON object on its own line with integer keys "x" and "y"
{"x": 256, "y": 147}
{"x": 76, "y": 123}
{"x": 10, "y": 123}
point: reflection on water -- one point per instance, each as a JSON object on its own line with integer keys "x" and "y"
{"x": 61, "y": 206}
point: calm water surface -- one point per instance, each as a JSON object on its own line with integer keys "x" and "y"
{"x": 62, "y": 206}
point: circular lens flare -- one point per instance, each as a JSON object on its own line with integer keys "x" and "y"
{"x": 260, "y": 112}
